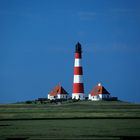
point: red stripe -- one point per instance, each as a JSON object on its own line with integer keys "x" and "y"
{"x": 77, "y": 55}
{"x": 78, "y": 88}
{"x": 78, "y": 71}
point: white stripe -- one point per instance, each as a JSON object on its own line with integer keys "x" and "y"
{"x": 78, "y": 79}
{"x": 77, "y": 62}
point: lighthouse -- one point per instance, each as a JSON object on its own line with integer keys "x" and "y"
{"x": 78, "y": 85}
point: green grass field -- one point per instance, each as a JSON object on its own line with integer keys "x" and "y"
{"x": 79, "y": 120}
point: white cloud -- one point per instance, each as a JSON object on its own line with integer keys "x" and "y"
{"x": 6, "y": 12}
{"x": 124, "y": 12}
{"x": 86, "y": 15}
{"x": 112, "y": 47}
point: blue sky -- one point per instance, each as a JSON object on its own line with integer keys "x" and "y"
{"x": 37, "y": 42}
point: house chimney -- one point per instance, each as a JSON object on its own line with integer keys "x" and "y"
{"x": 99, "y": 84}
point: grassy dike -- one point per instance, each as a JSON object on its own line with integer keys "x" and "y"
{"x": 78, "y": 120}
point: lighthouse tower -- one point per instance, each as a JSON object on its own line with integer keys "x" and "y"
{"x": 78, "y": 86}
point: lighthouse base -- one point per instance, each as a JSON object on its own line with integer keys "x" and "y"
{"x": 78, "y": 96}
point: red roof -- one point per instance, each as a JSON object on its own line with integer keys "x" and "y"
{"x": 57, "y": 90}
{"x": 99, "y": 89}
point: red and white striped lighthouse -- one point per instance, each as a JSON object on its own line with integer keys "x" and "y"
{"x": 78, "y": 86}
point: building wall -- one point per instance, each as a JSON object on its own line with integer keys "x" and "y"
{"x": 89, "y": 96}
{"x": 59, "y": 96}
{"x": 51, "y": 97}
{"x": 78, "y": 96}
{"x": 48, "y": 96}
{"x": 99, "y": 97}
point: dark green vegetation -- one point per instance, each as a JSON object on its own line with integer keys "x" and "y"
{"x": 79, "y": 120}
